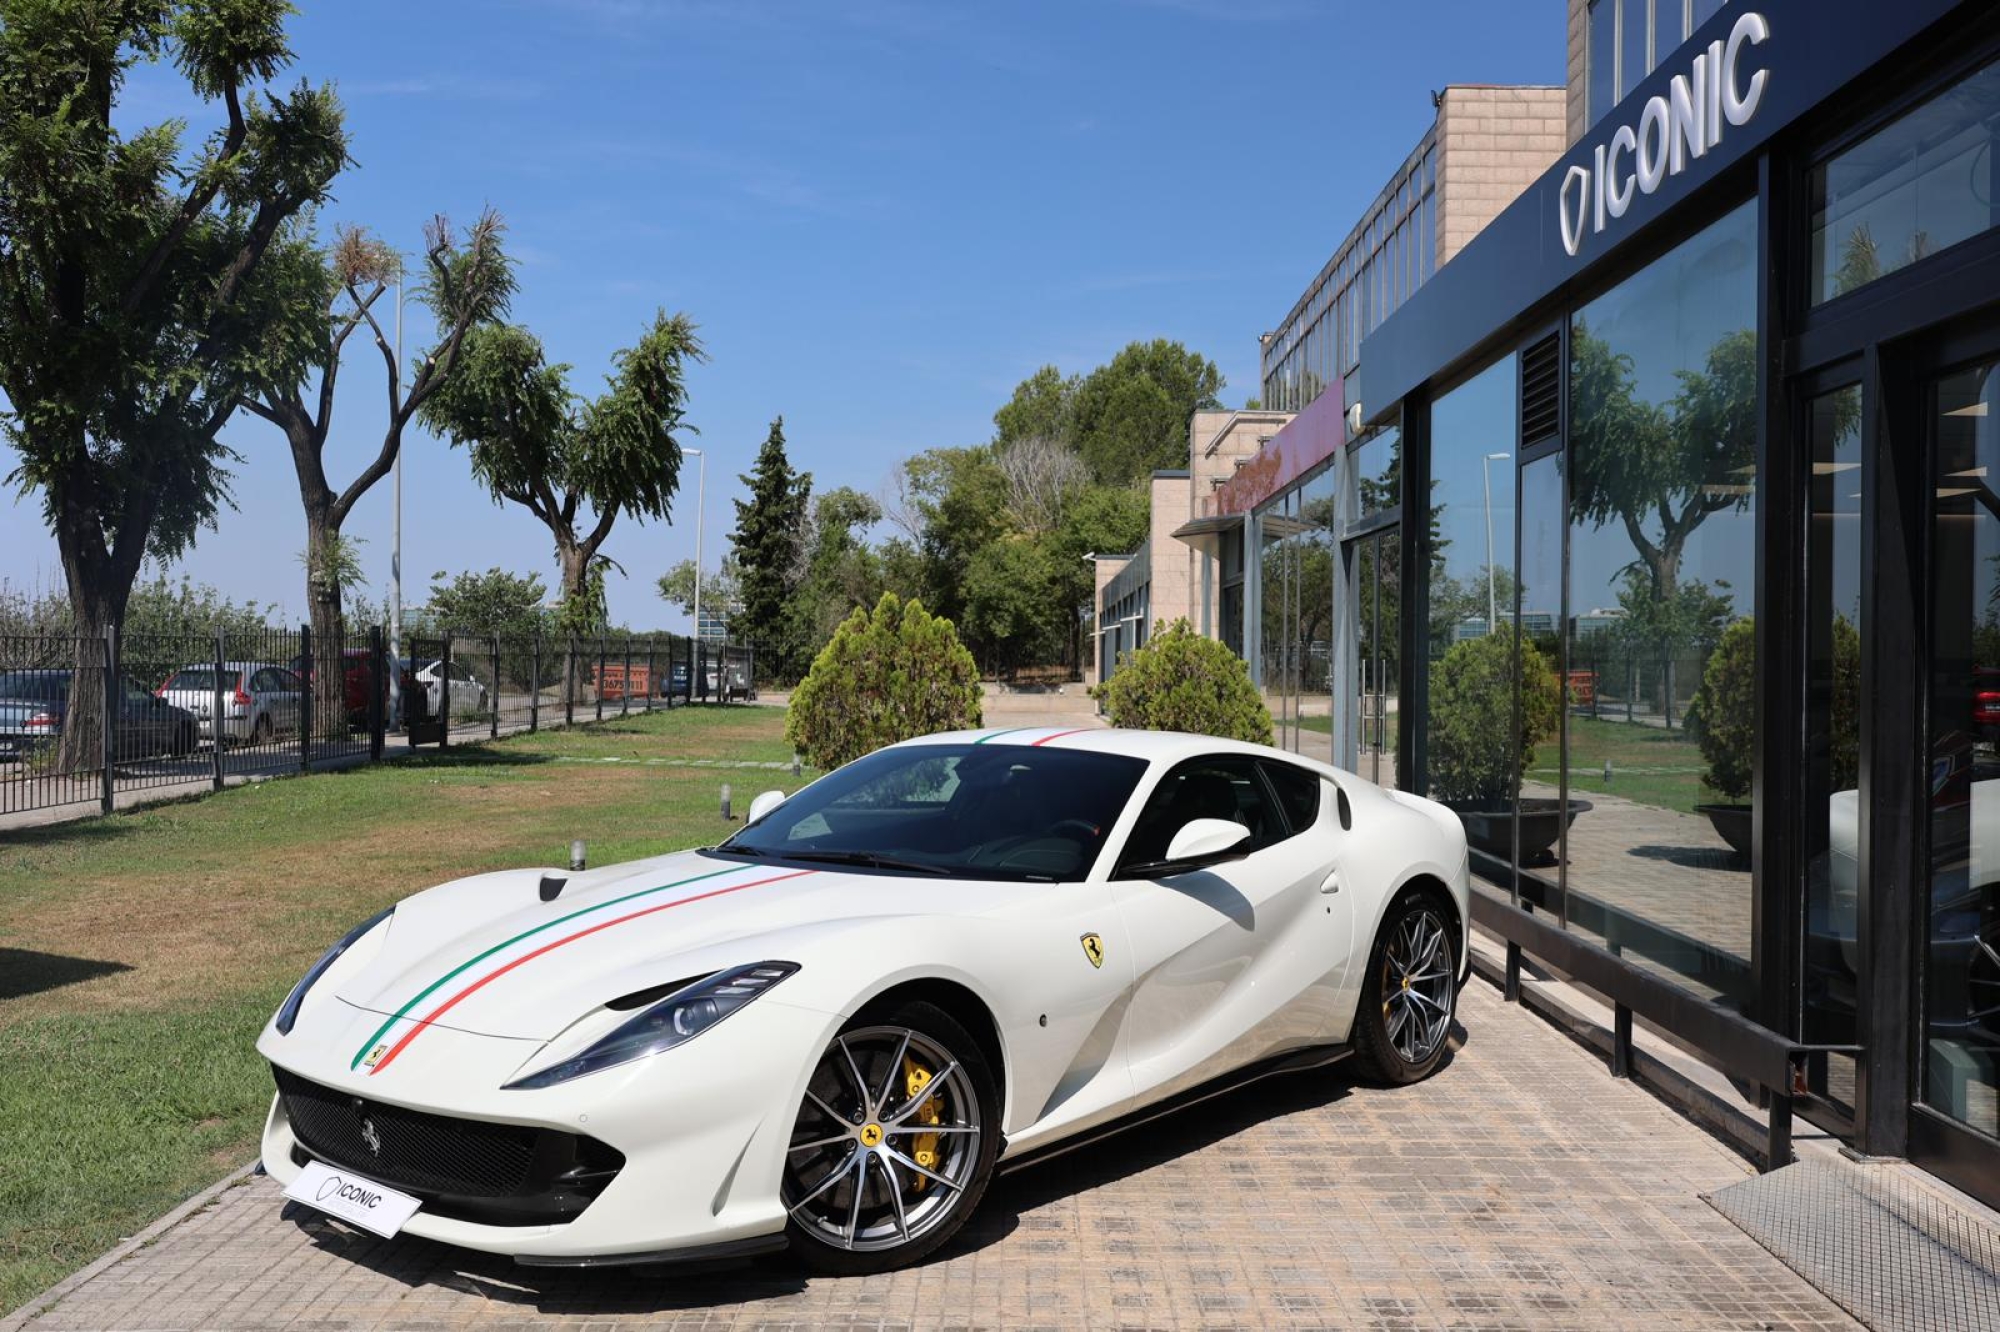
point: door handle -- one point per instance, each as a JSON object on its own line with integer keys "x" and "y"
{"x": 1330, "y": 884}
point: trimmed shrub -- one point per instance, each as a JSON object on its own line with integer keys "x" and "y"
{"x": 889, "y": 674}
{"x": 1180, "y": 681}
{"x": 1472, "y": 757}
{"x": 1723, "y": 716}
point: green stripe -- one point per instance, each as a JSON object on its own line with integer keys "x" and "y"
{"x": 432, "y": 988}
{"x": 1012, "y": 730}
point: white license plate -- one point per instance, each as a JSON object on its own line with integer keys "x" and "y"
{"x": 346, "y": 1195}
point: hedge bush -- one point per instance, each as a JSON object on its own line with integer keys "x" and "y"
{"x": 1472, "y": 757}
{"x": 889, "y": 674}
{"x": 1181, "y": 681}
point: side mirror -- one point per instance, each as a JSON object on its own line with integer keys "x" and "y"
{"x": 762, "y": 805}
{"x": 1207, "y": 841}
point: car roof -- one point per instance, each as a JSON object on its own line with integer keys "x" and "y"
{"x": 232, "y": 666}
{"x": 1152, "y": 746}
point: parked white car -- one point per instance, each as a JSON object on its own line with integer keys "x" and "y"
{"x": 827, "y": 1032}
{"x": 467, "y": 693}
{"x": 260, "y": 700}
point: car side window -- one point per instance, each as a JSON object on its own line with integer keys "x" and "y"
{"x": 1224, "y": 786}
{"x": 286, "y": 680}
{"x": 1299, "y": 793}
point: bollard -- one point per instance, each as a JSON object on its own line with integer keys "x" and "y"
{"x": 577, "y": 859}
{"x": 726, "y": 815}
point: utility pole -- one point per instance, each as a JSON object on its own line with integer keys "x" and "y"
{"x": 700, "y": 502}
{"x": 396, "y": 538}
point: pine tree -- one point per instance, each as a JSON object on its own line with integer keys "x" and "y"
{"x": 769, "y": 526}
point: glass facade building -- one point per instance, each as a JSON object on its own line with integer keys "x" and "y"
{"x": 1670, "y": 557}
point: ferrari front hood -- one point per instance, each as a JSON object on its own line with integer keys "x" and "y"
{"x": 488, "y": 955}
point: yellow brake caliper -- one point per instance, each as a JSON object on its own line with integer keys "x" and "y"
{"x": 925, "y": 1151}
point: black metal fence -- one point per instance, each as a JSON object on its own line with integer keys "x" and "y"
{"x": 184, "y": 710}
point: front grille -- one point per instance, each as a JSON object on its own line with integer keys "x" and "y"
{"x": 504, "y": 1173}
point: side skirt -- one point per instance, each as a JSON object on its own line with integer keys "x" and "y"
{"x": 1298, "y": 1061}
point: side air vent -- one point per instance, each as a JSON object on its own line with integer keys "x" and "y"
{"x": 1541, "y": 390}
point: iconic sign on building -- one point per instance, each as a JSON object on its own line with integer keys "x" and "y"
{"x": 1674, "y": 127}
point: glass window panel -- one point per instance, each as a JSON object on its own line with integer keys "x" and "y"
{"x": 1669, "y": 29}
{"x": 1662, "y": 561}
{"x": 1962, "y": 979}
{"x": 1539, "y": 828}
{"x": 1833, "y": 734}
{"x": 1909, "y": 190}
{"x": 1379, "y": 465}
{"x": 1704, "y": 10}
{"x": 1470, "y": 579}
{"x": 1632, "y": 65}
{"x": 1316, "y": 567}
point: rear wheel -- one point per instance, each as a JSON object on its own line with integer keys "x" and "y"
{"x": 894, "y": 1142}
{"x": 263, "y": 731}
{"x": 1404, "y": 1022}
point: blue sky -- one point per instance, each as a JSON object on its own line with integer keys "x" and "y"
{"x": 883, "y": 215}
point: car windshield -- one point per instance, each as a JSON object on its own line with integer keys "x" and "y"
{"x": 39, "y": 686}
{"x": 969, "y": 811}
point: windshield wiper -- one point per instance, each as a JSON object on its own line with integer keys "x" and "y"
{"x": 870, "y": 858}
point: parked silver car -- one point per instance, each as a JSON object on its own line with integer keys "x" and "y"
{"x": 260, "y": 700}
{"x": 468, "y": 693}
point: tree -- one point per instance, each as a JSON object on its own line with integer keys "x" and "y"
{"x": 575, "y": 466}
{"x": 1131, "y": 416}
{"x": 1182, "y": 681}
{"x": 839, "y": 573}
{"x": 719, "y": 590}
{"x": 493, "y": 604}
{"x": 1723, "y": 717}
{"x": 1043, "y": 477}
{"x": 959, "y": 499}
{"x": 133, "y": 314}
{"x": 1043, "y": 407}
{"x": 890, "y": 674}
{"x": 331, "y": 295}
{"x": 1009, "y": 589}
{"x": 1477, "y": 754}
{"x": 767, "y": 546}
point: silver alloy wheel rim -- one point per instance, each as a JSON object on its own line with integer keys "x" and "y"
{"x": 1416, "y": 986}
{"x": 860, "y": 1190}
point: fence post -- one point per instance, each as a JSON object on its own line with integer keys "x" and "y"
{"x": 108, "y": 735}
{"x": 306, "y": 700}
{"x": 652, "y": 677}
{"x": 377, "y": 684}
{"x": 599, "y": 691}
{"x": 493, "y": 703}
{"x": 625, "y": 694}
{"x": 444, "y": 688}
{"x": 569, "y": 682}
{"x": 217, "y": 715}
{"x": 535, "y": 683}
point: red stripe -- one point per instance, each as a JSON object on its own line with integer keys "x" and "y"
{"x": 487, "y": 979}
{"x": 1057, "y": 736}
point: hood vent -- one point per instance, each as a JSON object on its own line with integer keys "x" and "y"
{"x": 552, "y": 887}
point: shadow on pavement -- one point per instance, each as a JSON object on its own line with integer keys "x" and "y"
{"x": 24, "y": 972}
{"x": 615, "y": 1290}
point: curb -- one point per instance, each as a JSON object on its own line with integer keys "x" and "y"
{"x": 38, "y": 1305}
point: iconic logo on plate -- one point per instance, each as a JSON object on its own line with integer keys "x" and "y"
{"x": 375, "y": 1056}
{"x": 1093, "y": 948}
{"x": 372, "y": 1136}
{"x": 871, "y": 1135}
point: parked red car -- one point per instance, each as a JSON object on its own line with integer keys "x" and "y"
{"x": 355, "y": 670}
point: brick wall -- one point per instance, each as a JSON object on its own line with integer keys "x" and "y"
{"x": 1492, "y": 143}
{"x": 1577, "y": 95}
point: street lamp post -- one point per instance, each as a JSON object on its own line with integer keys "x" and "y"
{"x": 396, "y": 536}
{"x": 1492, "y": 589}
{"x": 700, "y": 500}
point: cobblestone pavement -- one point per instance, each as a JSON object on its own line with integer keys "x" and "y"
{"x": 1522, "y": 1187}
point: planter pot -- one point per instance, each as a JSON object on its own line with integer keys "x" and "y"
{"x": 1489, "y": 826}
{"x": 1732, "y": 825}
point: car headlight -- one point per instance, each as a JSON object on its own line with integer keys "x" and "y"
{"x": 288, "y": 1012}
{"x": 675, "y": 1020}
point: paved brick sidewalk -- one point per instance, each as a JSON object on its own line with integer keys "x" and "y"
{"x": 1520, "y": 1188}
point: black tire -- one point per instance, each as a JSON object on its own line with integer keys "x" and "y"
{"x": 263, "y": 731}
{"x": 1402, "y": 990}
{"x": 183, "y": 741}
{"x": 912, "y": 1233}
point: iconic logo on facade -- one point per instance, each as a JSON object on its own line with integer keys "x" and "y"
{"x": 1093, "y": 948}
{"x": 1680, "y": 124}
{"x": 371, "y": 1136}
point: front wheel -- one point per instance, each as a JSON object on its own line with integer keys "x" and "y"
{"x": 1407, "y": 999}
{"x": 894, "y": 1142}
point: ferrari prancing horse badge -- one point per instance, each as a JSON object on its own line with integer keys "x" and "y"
{"x": 1093, "y": 948}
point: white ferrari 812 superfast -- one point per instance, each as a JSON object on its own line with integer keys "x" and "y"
{"x": 953, "y": 955}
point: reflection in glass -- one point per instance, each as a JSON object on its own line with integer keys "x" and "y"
{"x": 1274, "y": 627}
{"x": 1603, "y": 57}
{"x": 1833, "y": 735}
{"x": 1661, "y": 672}
{"x": 1469, "y": 764}
{"x": 1379, "y": 465}
{"x": 1379, "y": 597}
{"x": 1962, "y": 971}
{"x": 1909, "y": 190}
{"x": 1541, "y": 826}
{"x": 1315, "y": 620}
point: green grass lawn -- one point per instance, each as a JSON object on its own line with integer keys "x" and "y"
{"x": 1649, "y": 764}
{"x": 140, "y": 953}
